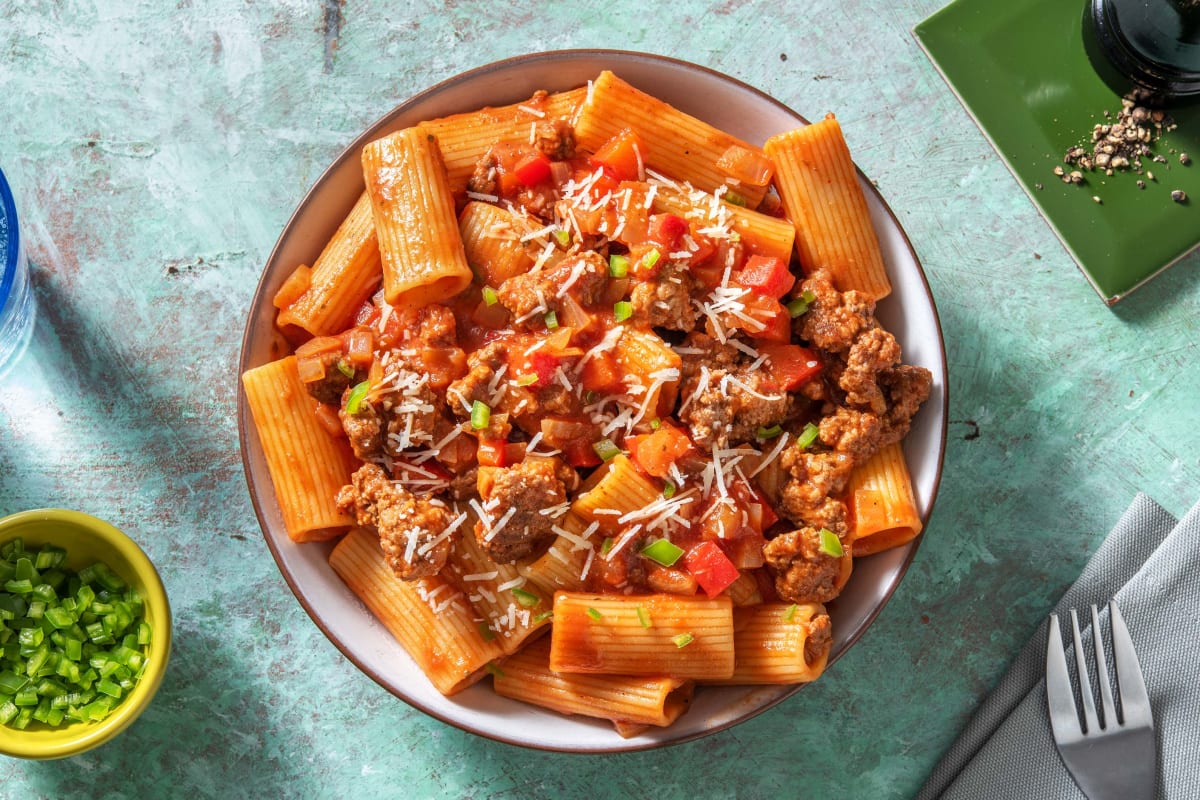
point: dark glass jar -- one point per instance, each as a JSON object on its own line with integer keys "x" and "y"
{"x": 1153, "y": 44}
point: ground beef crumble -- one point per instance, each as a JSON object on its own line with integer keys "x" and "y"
{"x": 803, "y": 574}
{"x": 515, "y": 496}
{"x": 867, "y": 399}
{"x": 397, "y": 516}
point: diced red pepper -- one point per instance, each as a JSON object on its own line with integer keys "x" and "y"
{"x": 621, "y": 156}
{"x": 532, "y": 168}
{"x": 767, "y": 275}
{"x": 666, "y": 230}
{"x": 711, "y": 568}
{"x": 791, "y": 365}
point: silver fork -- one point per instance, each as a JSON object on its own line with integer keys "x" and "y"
{"x": 1110, "y": 757}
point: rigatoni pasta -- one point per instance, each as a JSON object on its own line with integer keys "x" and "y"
{"x": 882, "y": 504}
{"x": 341, "y": 279}
{"x": 578, "y": 415}
{"x": 685, "y": 637}
{"x": 308, "y": 465}
{"x": 634, "y": 700}
{"x": 415, "y": 224}
{"x": 430, "y": 618}
{"x": 819, "y": 188}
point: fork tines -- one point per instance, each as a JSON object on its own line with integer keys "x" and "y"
{"x": 1131, "y": 687}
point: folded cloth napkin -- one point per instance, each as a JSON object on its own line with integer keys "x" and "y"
{"x": 1151, "y": 565}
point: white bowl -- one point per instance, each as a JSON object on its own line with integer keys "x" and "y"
{"x": 908, "y": 312}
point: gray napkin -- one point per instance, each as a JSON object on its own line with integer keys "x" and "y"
{"x": 1151, "y": 565}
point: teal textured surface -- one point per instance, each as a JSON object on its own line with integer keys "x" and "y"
{"x": 160, "y": 148}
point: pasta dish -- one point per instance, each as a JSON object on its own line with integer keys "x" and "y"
{"x": 593, "y": 399}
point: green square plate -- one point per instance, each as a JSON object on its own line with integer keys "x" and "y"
{"x": 1021, "y": 70}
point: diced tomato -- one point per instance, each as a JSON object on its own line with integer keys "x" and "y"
{"x": 791, "y": 365}
{"x": 703, "y": 252}
{"x": 711, "y": 568}
{"x": 666, "y": 230}
{"x": 532, "y": 168}
{"x": 766, "y": 275}
{"x": 771, "y": 313}
{"x": 622, "y": 156}
{"x": 491, "y": 452}
{"x": 544, "y": 366}
{"x": 655, "y": 452}
{"x": 581, "y": 454}
{"x": 708, "y": 274}
{"x": 499, "y": 453}
{"x": 600, "y": 373}
{"x": 508, "y": 184}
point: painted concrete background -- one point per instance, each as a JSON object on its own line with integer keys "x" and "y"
{"x": 158, "y": 149}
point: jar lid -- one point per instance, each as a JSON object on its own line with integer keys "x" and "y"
{"x": 1153, "y": 44}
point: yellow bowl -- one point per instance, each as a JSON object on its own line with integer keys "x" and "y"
{"x": 87, "y": 540}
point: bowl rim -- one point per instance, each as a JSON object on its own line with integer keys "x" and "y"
{"x": 245, "y": 423}
{"x": 78, "y": 737}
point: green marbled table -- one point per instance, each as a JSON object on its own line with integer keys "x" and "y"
{"x": 158, "y": 149}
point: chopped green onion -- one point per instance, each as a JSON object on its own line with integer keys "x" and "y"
{"x": 551, "y": 320}
{"x": 683, "y": 639}
{"x": 527, "y": 380}
{"x": 622, "y": 310}
{"x": 563, "y": 237}
{"x": 486, "y": 631}
{"x": 790, "y": 614}
{"x": 655, "y": 424}
{"x": 734, "y": 198}
{"x": 668, "y": 490}
{"x": 494, "y": 670}
{"x": 357, "y": 395}
{"x": 643, "y": 616}
{"x": 606, "y": 449}
{"x": 481, "y": 415}
{"x": 769, "y": 433}
{"x": 542, "y": 617}
{"x": 808, "y": 436}
{"x": 606, "y": 545}
{"x": 831, "y": 545}
{"x": 593, "y": 613}
{"x": 799, "y": 306}
{"x": 526, "y": 598}
{"x": 490, "y": 298}
{"x": 618, "y": 266}
{"x": 651, "y": 258}
{"x": 663, "y": 552}
{"x": 343, "y": 366}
